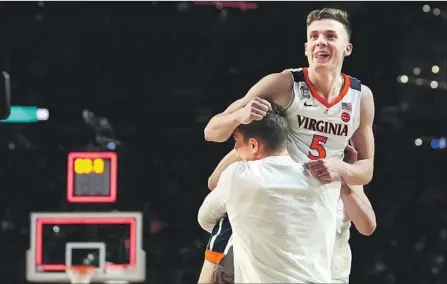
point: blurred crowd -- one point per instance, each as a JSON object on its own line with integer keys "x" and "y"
{"x": 156, "y": 72}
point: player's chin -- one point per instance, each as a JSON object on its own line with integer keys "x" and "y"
{"x": 326, "y": 66}
{"x": 322, "y": 63}
{"x": 320, "y": 66}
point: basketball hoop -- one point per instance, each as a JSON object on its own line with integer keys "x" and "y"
{"x": 80, "y": 274}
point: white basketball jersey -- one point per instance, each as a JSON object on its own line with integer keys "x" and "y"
{"x": 342, "y": 257}
{"x": 321, "y": 130}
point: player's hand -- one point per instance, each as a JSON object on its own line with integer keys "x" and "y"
{"x": 350, "y": 155}
{"x": 256, "y": 109}
{"x": 326, "y": 170}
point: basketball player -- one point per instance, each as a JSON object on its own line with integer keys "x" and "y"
{"x": 325, "y": 107}
{"x": 353, "y": 206}
{"x": 283, "y": 220}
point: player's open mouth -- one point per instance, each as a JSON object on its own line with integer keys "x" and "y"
{"x": 321, "y": 56}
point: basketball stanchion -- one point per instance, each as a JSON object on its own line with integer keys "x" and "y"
{"x": 5, "y": 95}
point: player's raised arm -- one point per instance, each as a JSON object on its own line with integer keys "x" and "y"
{"x": 361, "y": 172}
{"x": 358, "y": 208}
{"x": 253, "y": 106}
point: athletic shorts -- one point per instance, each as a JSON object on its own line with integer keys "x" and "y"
{"x": 220, "y": 241}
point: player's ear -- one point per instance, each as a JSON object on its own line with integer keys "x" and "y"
{"x": 305, "y": 48}
{"x": 254, "y": 145}
{"x": 348, "y": 49}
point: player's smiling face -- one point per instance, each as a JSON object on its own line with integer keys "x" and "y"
{"x": 327, "y": 44}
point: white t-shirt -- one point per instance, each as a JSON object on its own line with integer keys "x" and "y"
{"x": 283, "y": 221}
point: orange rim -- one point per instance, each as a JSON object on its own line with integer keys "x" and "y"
{"x": 82, "y": 269}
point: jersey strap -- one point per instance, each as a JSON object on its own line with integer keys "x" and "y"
{"x": 355, "y": 84}
{"x": 298, "y": 75}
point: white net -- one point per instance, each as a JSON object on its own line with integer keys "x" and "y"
{"x": 80, "y": 274}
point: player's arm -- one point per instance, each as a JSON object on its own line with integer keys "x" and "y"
{"x": 218, "y": 273}
{"x": 214, "y": 205}
{"x": 229, "y": 159}
{"x": 358, "y": 208}
{"x": 213, "y": 208}
{"x": 207, "y": 272}
{"x": 222, "y": 125}
{"x": 361, "y": 172}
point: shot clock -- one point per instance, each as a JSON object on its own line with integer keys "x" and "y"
{"x": 92, "y": 177}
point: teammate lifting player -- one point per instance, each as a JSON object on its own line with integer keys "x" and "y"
{"x": 283, "y": 221}
{"x": 325, "y": 107}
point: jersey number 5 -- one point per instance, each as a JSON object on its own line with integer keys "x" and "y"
{"x": 317, "y": 146}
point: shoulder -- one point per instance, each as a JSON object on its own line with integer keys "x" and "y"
{"x": 367, "y": 98}
{"x": 234, "y": 169}
{"x": 286, "y": 77}
{"x": 294, "y": 74}
{"x": 282, "y": 79}
{"x": 366, "y": 91}
{"x": 367, "y": 108}
{"x": 272, "y": 85}
{"x": 241, "y": 171}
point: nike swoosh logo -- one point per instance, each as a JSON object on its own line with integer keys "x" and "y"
{"x": 308, "y": 105}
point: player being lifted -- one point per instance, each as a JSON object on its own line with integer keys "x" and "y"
{"x": 325, "y": 107}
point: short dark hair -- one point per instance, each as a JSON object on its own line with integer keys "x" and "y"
{"x": 272, "y": 130}
{"x": 331, "y": 14}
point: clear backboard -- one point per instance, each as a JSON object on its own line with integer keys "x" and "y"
{"x": 110, "y": 241}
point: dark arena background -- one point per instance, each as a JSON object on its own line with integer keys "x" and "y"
{"x": 142, "y": 80}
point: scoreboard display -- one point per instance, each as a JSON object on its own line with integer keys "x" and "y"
{"x": 92, "y": 177}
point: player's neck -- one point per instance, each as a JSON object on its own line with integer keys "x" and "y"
{"x": 326, "y": 82}
{"x": 273, "y": 153}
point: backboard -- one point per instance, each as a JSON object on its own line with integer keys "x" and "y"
{"x": 111, "y": 241}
